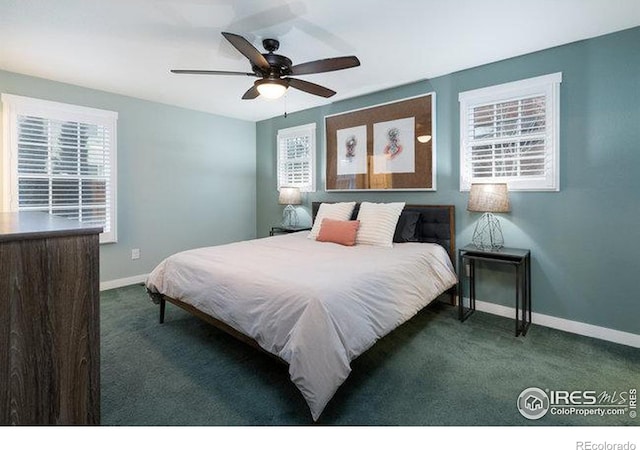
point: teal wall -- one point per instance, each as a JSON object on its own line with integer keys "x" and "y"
{"x": 585, "y": 239}
{"x": 185, "y": 179}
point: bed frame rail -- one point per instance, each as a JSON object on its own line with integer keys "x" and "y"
{"x": 163, "y": 299}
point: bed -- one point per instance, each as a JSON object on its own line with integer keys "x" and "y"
{"x": 315, "y": 306}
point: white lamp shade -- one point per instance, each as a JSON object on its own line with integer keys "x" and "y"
{"x": 271, "y": 89}
{"x": 289, "y": 196}
{"x": 489, "y": 197}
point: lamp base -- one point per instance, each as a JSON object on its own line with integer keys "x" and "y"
{"x": 290, "y": 217}
{"x": 488, "y": 234}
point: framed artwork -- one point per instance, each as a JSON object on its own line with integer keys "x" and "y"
{"x": 352, "y": 150}
{"x": 384, "y": 147}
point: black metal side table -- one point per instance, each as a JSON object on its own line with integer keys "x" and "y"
{"x": 283, "y": 230}
{"x": 519, "y": 258}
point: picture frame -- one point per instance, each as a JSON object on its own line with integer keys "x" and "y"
{"x": 385, "y": 147}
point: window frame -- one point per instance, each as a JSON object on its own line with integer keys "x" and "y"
{"x": 14, "y": 106}
{"x": 547, "y": 85}
{"x": 297, "y": 131}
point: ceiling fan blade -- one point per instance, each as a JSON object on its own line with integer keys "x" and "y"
{"x": 248, "y": 50}
{"x": 210, "y": 72}
{"x": 325, "y": 65}
{"x": 311, "y": 88}
{"x": 251, "y": 93}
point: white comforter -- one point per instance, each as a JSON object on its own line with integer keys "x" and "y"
{"x": 315, "y": 305}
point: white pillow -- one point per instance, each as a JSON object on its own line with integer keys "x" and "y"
{"x": 335, "y": 211}
{"x": 378, "y": 223}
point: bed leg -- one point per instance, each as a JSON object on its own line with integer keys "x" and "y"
{"x": 163, "y": 303}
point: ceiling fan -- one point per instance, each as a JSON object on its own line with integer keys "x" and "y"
{"x": 273, "y": 70}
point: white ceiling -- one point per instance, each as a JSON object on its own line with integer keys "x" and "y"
{"x": 128, "y": 46}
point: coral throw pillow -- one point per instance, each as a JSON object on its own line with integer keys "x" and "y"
{"x": 341, "y": 232}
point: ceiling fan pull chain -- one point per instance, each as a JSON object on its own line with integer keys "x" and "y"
{"x": 285, "y": 106}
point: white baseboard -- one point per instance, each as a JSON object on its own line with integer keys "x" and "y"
{"x": 121, "y": 282}
{"x": 584, "y": 329}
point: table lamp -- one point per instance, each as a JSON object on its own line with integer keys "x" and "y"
{"x": 289, "y": 196}
{"x": 488, "y": 199}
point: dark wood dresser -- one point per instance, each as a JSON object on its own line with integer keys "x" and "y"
{"x": 49, "y": 321}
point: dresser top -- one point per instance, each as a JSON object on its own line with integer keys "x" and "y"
{"x": 35, "y": 225}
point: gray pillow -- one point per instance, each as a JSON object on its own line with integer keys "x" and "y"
{"x": 406, "y": 227}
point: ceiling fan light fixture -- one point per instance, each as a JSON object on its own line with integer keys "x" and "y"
{"x": 271, "y": 89}
{"x": 273, "y": 70}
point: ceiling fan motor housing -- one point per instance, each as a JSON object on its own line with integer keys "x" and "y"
{"x": 279, "y": 65}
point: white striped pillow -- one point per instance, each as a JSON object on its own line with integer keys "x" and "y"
{"x": 378, "y": 223}
{"x": 335, "y": 211}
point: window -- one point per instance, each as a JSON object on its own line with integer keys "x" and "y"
{"x": 60, "y": 159}
{"x": 510, "y": 133}
{"x": 296, "y": 157}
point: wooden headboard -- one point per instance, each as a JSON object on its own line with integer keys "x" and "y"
{"x": 436, "y": 225}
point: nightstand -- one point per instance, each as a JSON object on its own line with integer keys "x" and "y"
{"x": 284, "y": 230}
{"x": 519, "y": 258}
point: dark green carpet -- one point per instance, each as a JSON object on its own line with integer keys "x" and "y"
{"x": 433, "y": 370}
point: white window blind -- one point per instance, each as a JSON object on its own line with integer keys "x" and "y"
{"x": 509, "y": 133}
{"x": 62, "y": 161}
{"x": 296, "y": 157}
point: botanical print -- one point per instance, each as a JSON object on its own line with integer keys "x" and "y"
{"x": 352, "y": 150}
{"x": 394, "y": 146}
